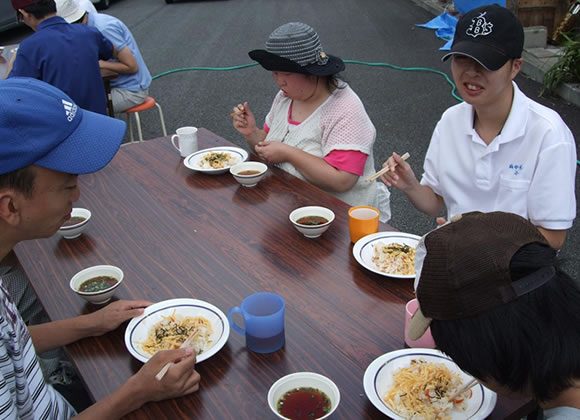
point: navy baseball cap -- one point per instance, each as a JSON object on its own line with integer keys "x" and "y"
{"x": 41, "y": 125}
{"x": 491, "y": 35}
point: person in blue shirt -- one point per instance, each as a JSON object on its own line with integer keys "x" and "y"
{"x": 132, "y": 86}
{"x": 65, "y": 56}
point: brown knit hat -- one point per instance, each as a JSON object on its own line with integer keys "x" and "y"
{"x": 463, "y": 268}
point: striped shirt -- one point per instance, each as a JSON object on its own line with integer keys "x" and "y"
{"x": 23, "y": 392}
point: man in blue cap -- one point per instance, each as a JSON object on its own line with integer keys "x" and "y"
{"x": 39, "y": 166}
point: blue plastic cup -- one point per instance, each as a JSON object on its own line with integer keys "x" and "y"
{"x": 263, "y": 315}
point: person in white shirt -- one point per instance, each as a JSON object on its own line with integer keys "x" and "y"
{"x": 499, "y": 150}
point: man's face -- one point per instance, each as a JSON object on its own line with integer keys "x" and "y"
{"x": 479, "y": 86}
{"x": 27, "y": 18}
{"x": 50, "y": 204}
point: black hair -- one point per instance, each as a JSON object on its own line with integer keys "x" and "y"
{"x": 333, "y": 82}
{"x": 21, "y": 180}
{"x": 41, "y": 9}
{"x": 529, "y": 345}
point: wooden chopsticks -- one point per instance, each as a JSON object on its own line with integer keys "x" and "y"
{"x": 186, "y": 343}
{"x": 238, "y": 110}
{"x": 386, "y": 169}
{"x": 461, "y": 390}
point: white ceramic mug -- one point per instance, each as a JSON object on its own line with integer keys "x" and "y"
{"x": 186, "y": 140}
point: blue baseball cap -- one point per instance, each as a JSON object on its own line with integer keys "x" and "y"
{"x": 41, "y": 125}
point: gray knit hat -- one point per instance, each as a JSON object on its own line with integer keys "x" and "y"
{"x": 295, "y": 47}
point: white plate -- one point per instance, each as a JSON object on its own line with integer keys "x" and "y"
{"x": 378, "y": 379}
{"x": 192, "y": 161}
{"x": 138, "y": 329}
{"x": 364, "y": 249}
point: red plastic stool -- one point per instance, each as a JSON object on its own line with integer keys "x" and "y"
{"x": 148, "y": 104}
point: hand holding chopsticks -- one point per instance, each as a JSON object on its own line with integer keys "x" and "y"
{"x": 187, "y": 343}
{"x": 386, "y": 169}
{"x": 238, "y": 110}
{"x": 464, "y": 388}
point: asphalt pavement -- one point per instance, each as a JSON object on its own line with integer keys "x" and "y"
{"x": 403, "y": 104}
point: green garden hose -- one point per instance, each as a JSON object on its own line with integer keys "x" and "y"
{"x": 364, "y": 63}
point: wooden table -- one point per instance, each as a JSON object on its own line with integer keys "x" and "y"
{"x": 177, "y": 233}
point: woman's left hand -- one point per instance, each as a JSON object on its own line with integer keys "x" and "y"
{"x": 273, "y": 151}
{"x": 115, "y": 313}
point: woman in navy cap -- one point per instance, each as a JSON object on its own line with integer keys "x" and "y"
{"x": 317, "y": 128}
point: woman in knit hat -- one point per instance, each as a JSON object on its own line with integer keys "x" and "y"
{"x": 317, "y": 128}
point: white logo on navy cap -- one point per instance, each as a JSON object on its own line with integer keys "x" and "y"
{"x": 70, "y": 109}
{"x": 479, "y": 26}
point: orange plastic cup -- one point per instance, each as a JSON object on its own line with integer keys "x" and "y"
{"x": 362, "y": 221}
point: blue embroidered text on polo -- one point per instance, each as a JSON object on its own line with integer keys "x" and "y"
{"x": 516, "y": 168}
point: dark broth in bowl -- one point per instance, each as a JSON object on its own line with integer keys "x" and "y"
{"x": 303, "y": 404}
{"x": 311, "y": 220}
{"x": 96, "y": 284}
{"x": 75, "y": 220}
{"x": 248, "y": 172}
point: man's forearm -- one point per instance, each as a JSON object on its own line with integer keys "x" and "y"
{"x": 60, "y": 333}
{"x": 117, "y": 67}
{"x": 120, "y": 403}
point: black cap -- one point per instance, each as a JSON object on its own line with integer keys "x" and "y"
{"x": 491, "y": 35}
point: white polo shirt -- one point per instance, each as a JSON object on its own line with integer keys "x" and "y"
{"x": 528, "y": 169}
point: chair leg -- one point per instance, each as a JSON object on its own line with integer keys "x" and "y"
{"x": 162, "y": 119}
{"x": 138, "y": 120}
{"x": 130, "y": 127}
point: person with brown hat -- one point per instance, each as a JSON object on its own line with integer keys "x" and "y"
{"x": 317, "y": 128}
{"x": 66, "y": 56}
{"x": 489, "y": 287}
{"x": 498, "y": 150}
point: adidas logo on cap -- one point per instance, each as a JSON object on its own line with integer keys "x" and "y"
{"x": 70, "y": 109}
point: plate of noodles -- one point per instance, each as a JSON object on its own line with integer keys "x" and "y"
{"x": 389, "y": 254}
{"x": 416, "y": 383}
{"x": 166, "y": 325}
{"x": 215, "y": 160}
